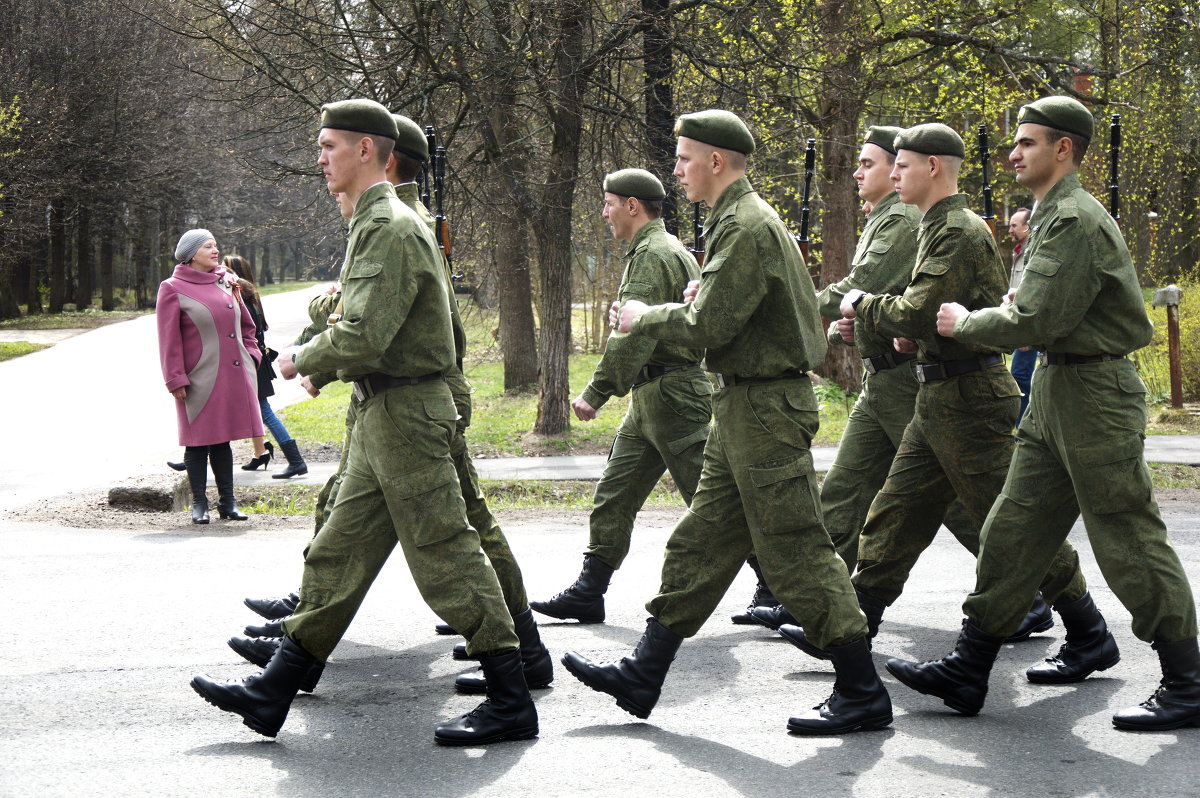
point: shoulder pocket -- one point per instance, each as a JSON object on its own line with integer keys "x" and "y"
{"x": 713, "y": 265}
{"x": 363, "y": 268}
{"x": 933, "y": 267}
{"x": 1043, "y": 265}
{"x": 879, "y": 246}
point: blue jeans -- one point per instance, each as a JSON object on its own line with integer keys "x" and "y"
{"x": 273, "y": 423}
{"x": 1022, "y": 371}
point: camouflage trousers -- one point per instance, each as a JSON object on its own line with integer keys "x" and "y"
{"x": 479, "y": 515}
{"x": 757, "y": 492}
{"x": 958, "y": 444}
{"x": 873, "y": 432}
{"x": 1080, "y": 451}
{"x": 400, "y": 486}
{"x": 664, "y": 430}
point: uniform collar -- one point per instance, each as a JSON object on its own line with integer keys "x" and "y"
{"x": 943, "y": 207}
{"x": 1065, "y": 185}
{"x": 362, "y": 208}
{"x": 883, "y": 205}
{"x": 729, "y": 197}
{"x": 639, "y": 238}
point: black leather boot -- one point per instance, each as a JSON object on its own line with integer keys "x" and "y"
{"x": 960, "y": 678}
{"x": 274, "y": 608}
{"x": 460, "y": 652}
{"x": 872, "y": 607}
{"x": 221, "y": 457}
{"x": 262, "y": 460}
{"x": 296, "y": 465}
{"x": 859, "y": 701}
{"x": 262, "y": 700}
{"x": 1038, "y": 619}
{"x": 584, "y": 600}
{"x": 763, "y": 597}
{"x": 772, "y": 617}
{"x": 636, "y": 680}
{"x": 259, "y": 650}
{"x": 444, "y": 629}
{"x": 269, "y": 629}
{"x": 1090, "y": 646}
{"x": 535, "y": 659}
{"x": 1176, "y": 702}
{"x": 507, "y": 714}
{"x": 195, "y": 460}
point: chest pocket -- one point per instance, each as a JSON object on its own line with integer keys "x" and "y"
{"x": 872, "y": 254}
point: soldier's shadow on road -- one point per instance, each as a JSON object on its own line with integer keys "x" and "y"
{"x": 368, "y": 730}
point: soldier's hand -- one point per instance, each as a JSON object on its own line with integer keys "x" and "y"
{"x": 848, "y": 301}
{"x": 905, "y": 346}
{"x": 948, "y": 315}
{"x": 333, "y": 288}
{"x": 614, "y": 314}
{"x": 690, "y": 291}
{"x": 287, "y": 363}
{"x": 845, "y": 328}
{"x": 583, "y": 411}
{"x": 629, "y": 313}
{"x": 307, "y": 385}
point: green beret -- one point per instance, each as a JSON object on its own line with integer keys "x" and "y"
{"x": 634, "y": 183}
{"x": 1061, "y": 113}
{"x": 359, "y": 116}
{"x": 718, "y": 128}
{"x": 411, "y": 139}
{"x": 883, "y": 136}
{"x": 932, "y": 138}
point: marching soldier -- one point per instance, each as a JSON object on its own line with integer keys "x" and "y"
{"x": 1080, "y": 448}
{"x": 755, "y": 315}
{"x": 395, "y": 343}
{"x": 671, "y": 402}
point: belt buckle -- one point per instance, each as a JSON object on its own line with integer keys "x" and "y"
{"x": 920, "y": 370}
{"x": 359, "y": 392}
{"x": 333, "y": 319}
{"x": 721, "y": 382}
{"x": 869, "y": 365}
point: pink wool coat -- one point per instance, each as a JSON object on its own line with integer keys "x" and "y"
{"x": 206, "y": 342}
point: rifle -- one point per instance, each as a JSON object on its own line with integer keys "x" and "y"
{"x": 697, "y": 249}
{"x": 441, "y": 227}
{"x": 985, "y": 156}
{"x": 1114, "y": 154}
{"x": 810, "y": 159}
{"x": 425, "y": 179}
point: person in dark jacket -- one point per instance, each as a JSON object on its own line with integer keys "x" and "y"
{"x": 263, "y": 451}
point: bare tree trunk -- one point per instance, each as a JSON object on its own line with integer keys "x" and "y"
{"x": 660, "y": 99}
{"x": 106, "y": 262}
{"x": 83, "y": 258}
{"x": 58, "y": 257}
{"x": 35, "y": 279}
{"x": 518, "y": 343}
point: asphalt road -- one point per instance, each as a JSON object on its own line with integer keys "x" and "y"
{"x": 104, "y": 628}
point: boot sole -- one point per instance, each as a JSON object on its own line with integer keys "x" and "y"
{"x": 873, "y": 724}
{"x": 636, "y": 710}
{"x": 1050, "y": 679}
{"x": 564, "y": 616}
{"x": 805, "y": 646}
{"x": 1193, "y": 721}
{"x": 251, "y": 722}
{"x": 953, "y": 703}
{"x": 526, "y": 733}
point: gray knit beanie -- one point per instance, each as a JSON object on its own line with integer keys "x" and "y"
{"x": 190, "y": 242}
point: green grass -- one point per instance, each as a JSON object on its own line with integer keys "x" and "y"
{"x": 291, "y": 285}
{"x": 70, "y": 320}
{"x": 1168, "y": 476}
{"x": 11, "y": 349}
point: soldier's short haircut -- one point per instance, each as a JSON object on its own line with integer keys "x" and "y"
{"x": 407, "y": 167}
{"x": 951, "y": 163}
{"x": 735, "y": 159}
{"x": 383, "y": 145}
{"x": 1079, "y": 144}
{"x": 653, "y": 208}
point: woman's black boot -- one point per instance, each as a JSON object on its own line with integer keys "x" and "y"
{"x": 195, "y": 460}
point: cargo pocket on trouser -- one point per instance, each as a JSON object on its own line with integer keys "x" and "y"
{"x": 1112, "y": 476}
{"x": 785, "y": 495}
{"x": 426, "y": 505}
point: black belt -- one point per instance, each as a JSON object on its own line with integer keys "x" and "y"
{"x": 654, "y": 372}
{"x": 368, "y": 385}
{"x": 888, "y": 360}
{"x": 730, "y": 380}
{"x": 1067, "y": 359}
{"x": 945, "y": 369}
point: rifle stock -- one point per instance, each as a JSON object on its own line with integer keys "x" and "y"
{"x": 441, "y": 225}
{"x": 985, "y": 157}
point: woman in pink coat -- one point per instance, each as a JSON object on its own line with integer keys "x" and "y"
{"x": 209, "y": 362}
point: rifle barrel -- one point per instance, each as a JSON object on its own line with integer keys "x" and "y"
{"x": 1114, "y": 189}
{"x": 985, "y": 157}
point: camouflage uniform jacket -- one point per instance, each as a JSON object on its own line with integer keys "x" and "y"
{"x": 395, "y": 307}
{"x": 957, "y": 261}
{"x": 883, "y": 264}
{"x": 1080, "y": 293}
{"x": 658, "y": 268}
{"x": 756, "y": 312}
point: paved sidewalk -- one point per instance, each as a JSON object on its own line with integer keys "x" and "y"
{"x": 1181, "y": 449}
